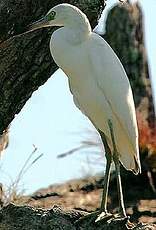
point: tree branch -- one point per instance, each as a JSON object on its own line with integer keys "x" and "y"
{"x": 25, "y": 61}
{"x": 14, "y": 217}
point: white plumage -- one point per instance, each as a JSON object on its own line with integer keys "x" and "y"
{"x": 98, "y": 83}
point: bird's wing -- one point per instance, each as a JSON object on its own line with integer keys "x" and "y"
{"x": 113, "y": 82}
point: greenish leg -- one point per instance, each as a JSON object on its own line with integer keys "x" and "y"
{"x": 117, "y": 167}
{"x": 106, "y": 185}
{"x": 102, "y": 214}
{"x": 107, "y": 173}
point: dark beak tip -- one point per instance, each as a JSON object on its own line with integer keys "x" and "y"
{"x": 37, "y": 24}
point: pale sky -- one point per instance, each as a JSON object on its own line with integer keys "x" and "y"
{"x": 51, "y": 121}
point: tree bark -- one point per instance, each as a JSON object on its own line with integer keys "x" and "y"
{"x": 27, "y": 218}
{"x": 25, "y": 61}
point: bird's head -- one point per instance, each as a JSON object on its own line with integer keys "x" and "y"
{"x": 60, "y": 15}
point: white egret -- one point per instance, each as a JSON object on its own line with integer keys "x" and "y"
{"x": 100, "y": 88}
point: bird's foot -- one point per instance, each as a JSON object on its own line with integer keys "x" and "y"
{"x": 99, "y": 217}
{"x": 118, "y": 218}
{"x": 104, "y": 216}
{"x": 96, "y": 216}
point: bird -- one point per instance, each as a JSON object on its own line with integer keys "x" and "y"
{"x": 100, "y": 89}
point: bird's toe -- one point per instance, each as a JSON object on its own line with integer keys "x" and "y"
{"x": 105, "y": 216}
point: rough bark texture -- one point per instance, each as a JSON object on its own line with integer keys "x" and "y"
{"x": 126, "y": 37}
{"x": 27, "y": 218}
{"x": 25, "y": 61}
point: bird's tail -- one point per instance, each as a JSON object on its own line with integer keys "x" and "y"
{"x": 129, "y": 157}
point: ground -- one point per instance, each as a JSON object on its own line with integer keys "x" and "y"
{"x": 85, "y": 194}
{"x": 60, "y": 206}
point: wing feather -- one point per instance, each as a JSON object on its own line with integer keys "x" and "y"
{"x": 113, "y": 82}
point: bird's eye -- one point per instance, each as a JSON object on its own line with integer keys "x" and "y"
{"x": 51, "y": 15}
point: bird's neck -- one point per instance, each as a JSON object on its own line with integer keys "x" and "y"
{"x": 78, "y": 30}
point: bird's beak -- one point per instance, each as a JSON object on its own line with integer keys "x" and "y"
{"x": 43, "y": 22}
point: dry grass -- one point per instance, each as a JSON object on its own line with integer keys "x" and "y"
{"x": 14, "y": 192}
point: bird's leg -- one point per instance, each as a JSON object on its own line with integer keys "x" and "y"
{"x": 106, "y": 183}
{"x": 108, "y": 155}
{"x": 102, "y": 214}
{"x": 117, "y": 167}
{"x": 103, "y": 209}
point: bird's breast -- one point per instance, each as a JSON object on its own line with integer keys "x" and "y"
{"x": 69, "y": 56}
{"x": 74, "y": 61}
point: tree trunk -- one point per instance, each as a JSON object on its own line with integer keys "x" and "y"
{"x": 25, "y": 61}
